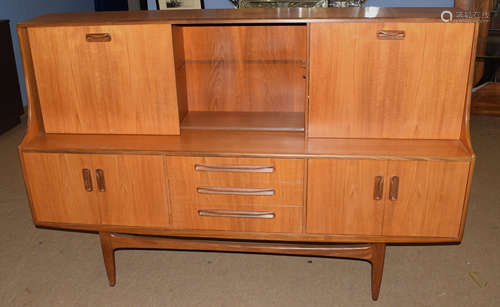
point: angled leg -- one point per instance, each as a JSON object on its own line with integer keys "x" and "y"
{"x": 108, "y": 253}
{"x": 377, "y": 261}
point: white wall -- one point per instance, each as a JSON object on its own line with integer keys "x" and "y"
{"x": 21, "y": 10}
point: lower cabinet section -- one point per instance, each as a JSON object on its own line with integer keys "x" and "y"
{"x": 344, "y": 197}
{"x": 238, "y": 218}
{"x": 390, "y": 198}
{"x": 125, "y": 190}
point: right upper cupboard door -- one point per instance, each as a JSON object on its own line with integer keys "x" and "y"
{"x": 106, "y": 79}
{"x": 388, "y": 80}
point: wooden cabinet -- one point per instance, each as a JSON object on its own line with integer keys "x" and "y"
{"x": 390, "y": 198}
{"x": 128, "y": 190}
{"x": 106, "y": 79}
{"x": 388, "y": 80}
{"x": 241, "y": 127}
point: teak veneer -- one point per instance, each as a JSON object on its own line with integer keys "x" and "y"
{"x": 253, "y": 130}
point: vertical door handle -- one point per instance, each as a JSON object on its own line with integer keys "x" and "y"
{"x": 394, "y": 189}
{"x": 101, "y": 184}
{"x": 87, "y": 179}
{"x": 378, "y": 190}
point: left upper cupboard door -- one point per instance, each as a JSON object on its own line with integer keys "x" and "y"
{"x": 117, "y": 79}
{"x": 57, "y": 189}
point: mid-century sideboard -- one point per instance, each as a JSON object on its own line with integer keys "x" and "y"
{"x": 327, "y": 132}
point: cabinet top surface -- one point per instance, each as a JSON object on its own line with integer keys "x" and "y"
{"x": 253, "y": 15}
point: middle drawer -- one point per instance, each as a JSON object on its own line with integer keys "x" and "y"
{"x": 218, "y": 181}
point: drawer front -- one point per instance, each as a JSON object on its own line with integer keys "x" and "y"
{"x": 236, "y": 181}
{"x": 250, "y": 218}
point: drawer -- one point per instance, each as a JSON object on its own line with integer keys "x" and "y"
{"x": 244, "y": 218}
{"x": 236, "y": 180}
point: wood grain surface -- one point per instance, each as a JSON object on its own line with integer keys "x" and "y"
{"x": 57, "y": 189}
{"x": 363, "y": 87}
{"x": 255, "y": 121}
{"x": 250, "y": 68}
{"x": 124, "y": 86}
{"x": 340, "y": 197}
{"x": 246, "y": 16}
{"x": 430, "y": 199}
{"x": 136, "y": 192}
{"x": 287, "y": 181}
{"x": 252, "y": 144}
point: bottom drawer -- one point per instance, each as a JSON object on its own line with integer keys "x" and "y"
{"x": 238, "y": 218}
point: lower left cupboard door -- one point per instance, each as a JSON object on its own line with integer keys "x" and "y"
{"x": 57, "y": 189}
{"x": 132, "y": 190}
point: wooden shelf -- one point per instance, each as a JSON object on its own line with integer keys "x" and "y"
{"x": 252, "y": 144}
{"x": 252, "y": 121}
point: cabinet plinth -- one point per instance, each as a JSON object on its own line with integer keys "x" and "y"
{"x": 280, "y": 134}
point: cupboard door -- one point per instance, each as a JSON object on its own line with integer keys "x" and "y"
{"x": 132, "y": 190}
{"x": 363, "y": 85}
{"x": 340, "y": 197}
{"x": 430, "y": 198}
{"x": 57, "y": 188}
{"x": 117, "y": 79}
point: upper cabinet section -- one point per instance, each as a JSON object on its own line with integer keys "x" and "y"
{"x": 388, "y": 80}
{"x": 106, "y": 79}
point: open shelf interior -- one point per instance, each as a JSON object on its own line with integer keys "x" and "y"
{"x": 233, "y": 77}
{"x": 257, "y": 121}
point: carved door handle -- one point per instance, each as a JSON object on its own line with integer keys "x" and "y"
{"x": 101, "y": 184}
{"x": 87, "y": 179}
{"x": 394, "y": 189}
{"x": 378, "y": 190}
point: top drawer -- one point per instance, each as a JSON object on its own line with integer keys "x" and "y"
{"x": 250, "y": 170}
{"x": 106, "y": 79}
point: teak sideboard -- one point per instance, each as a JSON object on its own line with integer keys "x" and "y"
{"x": 323, "y": 132}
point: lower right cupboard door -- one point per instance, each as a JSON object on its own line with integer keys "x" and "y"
{"x": 425, "y": 198}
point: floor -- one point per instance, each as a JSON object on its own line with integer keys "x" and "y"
{"x": 42, "y": 267}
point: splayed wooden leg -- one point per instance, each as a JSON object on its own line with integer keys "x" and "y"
{"x": 108, "y": 253}
{"x": 377, "y": 261}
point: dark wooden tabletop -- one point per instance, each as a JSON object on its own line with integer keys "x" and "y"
{"x": 252, "y": 15}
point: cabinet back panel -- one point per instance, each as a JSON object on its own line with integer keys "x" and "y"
{"x": 365, "y": 87}
{"x": 244, "y": 68}
{"x": 122, "y": 86}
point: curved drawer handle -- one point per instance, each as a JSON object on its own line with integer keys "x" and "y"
{"x": 237, "y": 213}
{"x": 268, "y": 168}
{"x": 391, "y": 34}
{"x": 98, "y": 37}
{"x": 236, "y": 191}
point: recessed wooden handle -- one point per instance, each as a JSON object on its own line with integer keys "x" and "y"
{"x": 394, "y": 189}
{"x": 98, "y": 37}
{"x": 269, "y": 168}
{"x": 87, "y": 179}
{"x": 101, "y": 184}
{"x": 391, "y": 34}
{"x": 237, "y": 213}
{"x": 378, "y": 190}
{"x": 236, "y": 191}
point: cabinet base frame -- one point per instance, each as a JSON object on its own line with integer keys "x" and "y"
{"x": 371, "y": 252}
